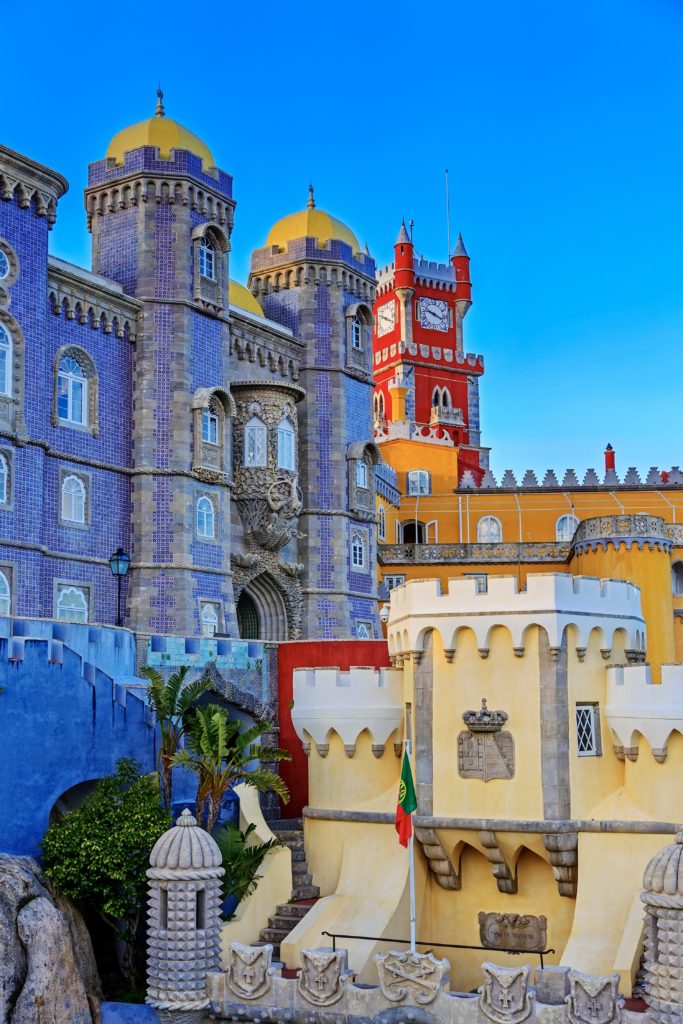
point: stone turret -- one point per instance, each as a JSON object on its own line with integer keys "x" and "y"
{"x": 184, "y": 920}
{"x": 663, "y": 899}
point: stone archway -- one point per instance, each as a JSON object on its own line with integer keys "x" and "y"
{"x": 261, "y": 608}
{"x": 248, "y": 622}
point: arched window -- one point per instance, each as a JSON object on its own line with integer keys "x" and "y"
{"x": 677, "y": 578}
{"x": 565, "y": 527}
{"x": 255, "y": 443}
{"x": 489, "y": 530}
{"x": 4, "y": 265}
{"x": 209, "y": 617}
{"x": 381, "y": 523}
{"x": 73, "y": 500}
{"x": 72, "y": 605}
{"x": 209, "y": 427}
{"x": 445, "y": 398}
{"x": 5, "y": 595}
{"x": 413, "y": 532}
{"x": 206, "y": 518}
{"x": 361, "y": 473}
{"x": 418, "y": 482}
{"x": 357, "y": 551}
{"x": 5, "y": 361}
{"x": 356, "y": 332}
{"x": 207, "y": 259}
{"x": 379, "y": 405}
{"x": 436, "y": 398}
{"x": 4, "y": 480}
{"x": 72, "y": 391}
{"x": 286, "y": 455}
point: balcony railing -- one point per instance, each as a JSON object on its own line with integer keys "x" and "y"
{"x": 449, "y": 554}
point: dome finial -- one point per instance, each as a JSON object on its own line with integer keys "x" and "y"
{"x": 160, "y": 112}
{"x": 311, "y": 201}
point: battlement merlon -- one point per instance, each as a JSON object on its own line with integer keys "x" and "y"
{"x": 551, "y": 601}
{"x": 635, "y": 705}
{"x": 327, "y": 700}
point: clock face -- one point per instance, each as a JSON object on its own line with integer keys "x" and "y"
{"x": 386, "y": 318}
{"x": 434, "y": 314}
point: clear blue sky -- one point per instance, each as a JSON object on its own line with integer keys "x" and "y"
{"x": 561, "y": 124}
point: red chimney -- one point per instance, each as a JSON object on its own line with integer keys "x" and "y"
{"x": 609, "y": 458}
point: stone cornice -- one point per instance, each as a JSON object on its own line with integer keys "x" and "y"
{"x": 70, "y": 288}
{"x": 30, "y": 181}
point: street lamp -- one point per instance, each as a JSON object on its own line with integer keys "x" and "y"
{"x": 119, "y": 564}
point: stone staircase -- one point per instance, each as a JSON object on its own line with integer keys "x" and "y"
{"x": 304, "y": 893}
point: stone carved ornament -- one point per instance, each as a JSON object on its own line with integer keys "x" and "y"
{"x": 593, "y": 999}
{"x": 513, "y": 931}
{"x": 485, "y": 750}
{"x": 419, "y": 975}
{"x": 320, "y": 979}
{"x": 248, "y": 971}
{"x": 504, "y": 998}
{"x": 284, "y": 576}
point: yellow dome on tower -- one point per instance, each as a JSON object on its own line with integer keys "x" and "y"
{"x": 159, "y": 131}
{"x": 241, "y": 297}
{"x": 311, "y": 223}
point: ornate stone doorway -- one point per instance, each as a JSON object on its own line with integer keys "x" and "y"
{"x": 247, "y": 618}
{"x": 261, "y": 611}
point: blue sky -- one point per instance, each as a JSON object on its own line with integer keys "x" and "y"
{"x": 560, "y": 124}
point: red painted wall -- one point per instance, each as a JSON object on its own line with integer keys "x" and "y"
{"x": 343, "y": 654}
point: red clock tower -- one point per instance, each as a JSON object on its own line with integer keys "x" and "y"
{"x": 418, "y": 345}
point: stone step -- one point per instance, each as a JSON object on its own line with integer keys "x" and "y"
{"x": 306, "y": 892}
{"x": 274, "y": 935}
{"x": 275, "y": 945}
{"x": 284, "y": 921}
{"x": 291, "y": 839}
{"x": 300, "y": 871}
{"x": 298, "y": 855}
{"x": 293, "y": 910}
{"x": 286, "y": 824}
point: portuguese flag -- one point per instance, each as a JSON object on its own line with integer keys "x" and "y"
{"x": 406, "y": 803}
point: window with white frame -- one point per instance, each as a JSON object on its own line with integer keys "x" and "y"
{"x": 5, "y": 595}
{"x": 418, "y": 481}
{"x": 286, "y": 456}
{"x": 394, "y": 580}
{"x": 255, "y": 443}
{"x": 489, "y": 530}
{"x": 210, "y": 618}
{"x": 356, "y": 332}
{"x": 4, "y": 480}
{"x": 5, "y": 361}
{"x": 72, "y": 391}
{"x": 207, "y": 259}
{"x": 206, "y": 518}
{"x": 209, "y": 427}
{"x": 363, "y": 630}
{"x": 361, "y": 473}
{"x": 565, "y": 527}
{"x": 357, "y": 551}
{"x": 588, "y": 730}
{"x": 73, "y": 500}
{"x": 381, "y": 523}
{"x": 72, "y": 604}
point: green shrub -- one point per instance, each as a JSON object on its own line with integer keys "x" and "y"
{"x": 241, "y": 862}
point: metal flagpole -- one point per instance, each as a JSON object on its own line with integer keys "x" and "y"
{"x": 411, "y": 872}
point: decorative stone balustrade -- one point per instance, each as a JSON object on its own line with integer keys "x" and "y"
{"x": 448, "y": 554}
{"x": 640, "y": 530}
{"x": 551, "y": 601}
{"x": 635, "y": 705}
{"x": 327, "y": 699}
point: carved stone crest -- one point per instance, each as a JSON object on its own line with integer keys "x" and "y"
{"x": 419, "y": 975}
{"x": 593, "y": 999}
{"x": 320, "y": 979}
{"x": 485, "y": 751}
{"x": 504, "y": 997}
{"x": 248, "y": 971}
{"x": 513, "y": 931}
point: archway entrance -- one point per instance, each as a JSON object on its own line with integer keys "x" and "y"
{"x": 248, "y": 624}
{"x": 261, "y": 610}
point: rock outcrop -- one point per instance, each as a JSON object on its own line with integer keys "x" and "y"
{"x": 48, "y": 973}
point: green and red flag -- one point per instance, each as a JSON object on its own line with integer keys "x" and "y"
{"x": 407, "y": 803}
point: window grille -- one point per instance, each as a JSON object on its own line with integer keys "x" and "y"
{"x": 588, "y": 730}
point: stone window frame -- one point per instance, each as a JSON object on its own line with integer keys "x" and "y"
{"x": 589, "y": 710}
{"x": 87, "y": 364}
{"x": 210, "y": 292}
{"x": 204, "y": 602}
{"x": 487, "y": 540}
{"x": 287, "y": 419}
{"x": 59, "y": 584}
{"x": 367, "y": 624}
{"x": 381, "y": 523}
{"x": 85, "y": 479}
{"x": 360, "y": 536}
{"x": 206, "y": 456}
{"x": 9, "y": 571}
{"x": 205, "y": 538}
{"x": 359, "y": 355}
{"x": 6, "y": 456}
{"x": 362, "y": 498}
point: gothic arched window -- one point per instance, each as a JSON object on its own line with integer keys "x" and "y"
{"x": 72, "y": 391}
{"x": 5, "y": 361}
{"x": 5, "y": 595}
{"x": 565, "y": 527}
{"x": 209, "y": 617}
{"x": 255, "y": 443}
{"x": 489, "y": 530}
{"x": 286, "y": 448}
{"x": 72, "y": 604}
{"x": 206, "y": 518}
{"x": 73, "y": 500}
{"x": 357, "y": 552}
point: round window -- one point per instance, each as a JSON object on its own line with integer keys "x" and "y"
{"x": 4, "y": 265}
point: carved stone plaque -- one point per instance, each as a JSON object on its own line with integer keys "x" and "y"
{"x": 504, "y": 998}
{"x": 320, "y": 980}
{"x": 593, "y": 999}
{"x": 513, "y": 931}
{"x": 486, "y": 755}
{"x": 418, "y": 975}
{"x": 248, "y": 972}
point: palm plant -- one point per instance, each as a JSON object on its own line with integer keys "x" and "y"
{"x": 241, "y": 862}
{"x": 220, "y": 754}
{"x": 171, "y": 703}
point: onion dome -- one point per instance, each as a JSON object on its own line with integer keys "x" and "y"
{"x": 241, "y": 297}
{"x": 664, "y": 873}
{"x": 185, "y": 847}
{"x": 311, "y": 223}
{"x": 159, "y": 131}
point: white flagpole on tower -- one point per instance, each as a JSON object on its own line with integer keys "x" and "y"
{"x": 411, "y": 873}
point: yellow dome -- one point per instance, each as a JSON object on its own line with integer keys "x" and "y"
{"x": 241, "y": 297}
{"x": 159, "y": 131}
{"x": 311, "y": 223}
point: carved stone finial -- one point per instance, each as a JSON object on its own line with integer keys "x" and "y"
{"x": 484, "y": 720}
{"x": 160, "y": 112}
{"x": 311, "y": 201}
{"x": 186, "y": 819}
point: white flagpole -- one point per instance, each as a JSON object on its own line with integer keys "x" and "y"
{"x": 411, "y": 872}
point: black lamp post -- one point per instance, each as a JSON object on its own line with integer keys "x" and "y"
{"x": 119, "y": 564}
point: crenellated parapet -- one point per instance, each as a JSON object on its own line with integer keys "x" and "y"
{"x": 551, "y": 601}
{"x": 637, "y": 706}
{"x": 328, "y": 700}
{"x": 569, "y": 480}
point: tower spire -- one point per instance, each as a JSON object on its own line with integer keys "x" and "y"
{"x": 311, "y": 201}
{"x": 160, "y": 112}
